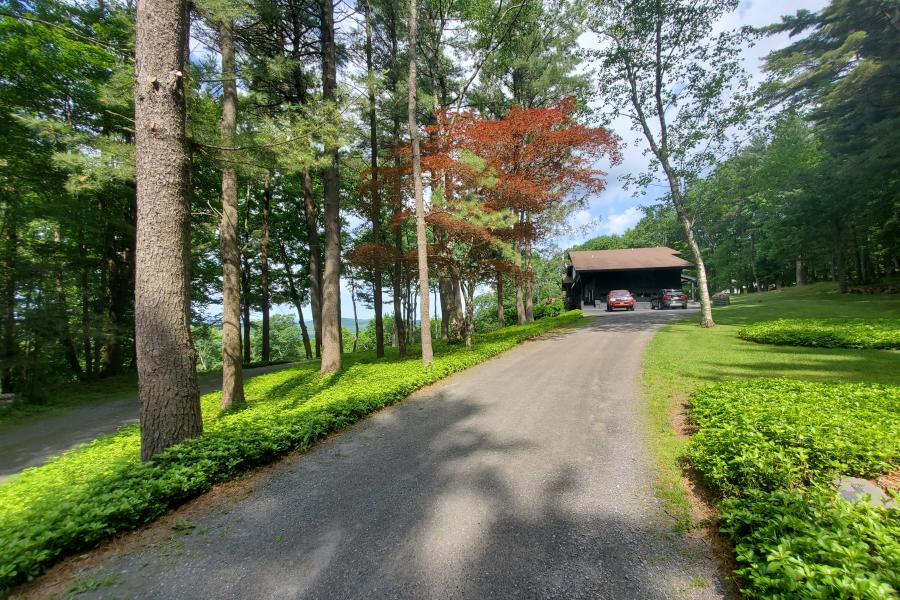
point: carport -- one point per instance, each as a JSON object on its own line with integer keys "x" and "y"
{"x": 591, "y": 274}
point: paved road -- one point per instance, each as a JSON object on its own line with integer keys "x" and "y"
{"x": 523, "y": 477}
{"x": 38, "y": 440}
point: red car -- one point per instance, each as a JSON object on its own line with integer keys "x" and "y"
{"x": 619, "y": 299}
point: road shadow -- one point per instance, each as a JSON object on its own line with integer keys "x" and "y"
{"x": 441, "y": 496}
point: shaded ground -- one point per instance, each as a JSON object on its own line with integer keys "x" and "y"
{"x": 523, "y": 477}
{"x": 32, "y": 443}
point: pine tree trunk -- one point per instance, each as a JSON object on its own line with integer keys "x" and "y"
{"x": 65, "y": 332}
{"x": 469, "y": 322}
{"x": 265, "y": 296}
{"x": 245, "y": 309}
{"x": 331, "y": 279}
{"x": 376, "y": 193}
{"x": 10, "y": 241}
{"x": 229, "y": 233}
{"x": 315, "y": 259}
{"x": 397, "y": 283}
{"x": 85, "y": 308}
{"x": 421, "y": 239}
{"x": 166, "y": 360}
{"x": 501, "y": 317}
{"x": 295, "y": 298}
{"x": 443, "y": 284}
{"x": 529, "y": 285}
{"x": 355, "y": 318}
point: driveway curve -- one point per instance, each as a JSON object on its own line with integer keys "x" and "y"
{"x": 523, "y": 477}
{"x": 37, "y": 440}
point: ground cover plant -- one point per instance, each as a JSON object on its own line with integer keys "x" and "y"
{"x": 102, "y": 488}
{"x": 825, "y": 333}
{"x": 682, "y": 358}
{"x": 773, "y": 448}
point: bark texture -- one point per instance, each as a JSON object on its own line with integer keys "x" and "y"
{"x": 421, "y": 240}
{"x": 166, "y": 360}
{"x": 376, "y": 194}
{"x": 265, "y": 300}
{"x": 315, "y": 258}
{"x": 331, "y": 278}
{"x": 229, "y": 233}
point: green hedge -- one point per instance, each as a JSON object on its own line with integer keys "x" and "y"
{"x": 825, "y": 333}
{"x": 102, "y": 488}
{"x": 772, "y": 448}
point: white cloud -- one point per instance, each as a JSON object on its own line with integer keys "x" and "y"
{"x": 617, "y": 223}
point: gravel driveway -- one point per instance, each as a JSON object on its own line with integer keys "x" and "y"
{"x": 37, "y": 440}
{"x": 523, "y": 477}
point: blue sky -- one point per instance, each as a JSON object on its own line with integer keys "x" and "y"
{"x": 615, "y": 209}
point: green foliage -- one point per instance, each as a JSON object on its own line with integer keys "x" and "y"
{"x": 809, "y": 544}
{"x": 774, "y": 447}
{"x": 825, "y": 333}
{"x": 92, "y": 492}
{"x": 780, "y": 433}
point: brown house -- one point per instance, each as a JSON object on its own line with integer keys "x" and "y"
{"x": 593, "y": 273}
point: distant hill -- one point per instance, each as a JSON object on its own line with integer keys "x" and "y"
{"x": 345, "y": 322}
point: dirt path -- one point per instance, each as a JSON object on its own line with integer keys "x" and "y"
{"x": 524, "y": 477}
{"x": 38, "y": 440}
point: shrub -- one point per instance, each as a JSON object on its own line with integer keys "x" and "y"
{"x": 809, "y": 544}
{"x": 553, "y": 309}
{"x": 778, "y": 433}
{"x": 773, "y": 448}
{"x": 825, "y": 333}
{"x": 99, "y": 489}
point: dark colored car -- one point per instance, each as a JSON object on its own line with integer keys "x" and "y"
{"x": 669, "y": 299}
{"x": 619, "y": 299}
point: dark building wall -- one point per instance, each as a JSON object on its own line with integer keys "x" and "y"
{"x": 592, "y": 286}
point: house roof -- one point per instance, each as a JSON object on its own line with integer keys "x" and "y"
{"x": 627, "y": 259}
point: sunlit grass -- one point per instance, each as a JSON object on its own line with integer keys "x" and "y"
{"x": 683, "y": 356}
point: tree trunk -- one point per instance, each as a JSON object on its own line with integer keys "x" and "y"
{"x": 355, "y": 318}
{"x": 443, "y": 283}
{"x": 10, "y": 241}
{"x": 421, "y": 239}
{"x": 800, "y": 270}
{"x": 331, "y": 279}
{"x": 295, "y": 298}
{"x": 469, "y": 322}
{"x": 501, "y": 317}
{"x": 245, "y": 308}
{"x": 838, "y": 256}
{"x": 315, "y": 258}
{"x": 265, "y": 296}
{"x": 397, "y": 283}
{"x": 229, "y": 233}
{"x": 85, "y": 308}
{"x": 376, "y": 194}
{"x": 65, "y": 333}
{"x": 706, "y": 319}
{"x": 166, "y": 360}
{"x": 529, "y": 285}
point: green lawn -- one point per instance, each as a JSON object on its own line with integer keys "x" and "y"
{"x": 102, "y": 488}
{"x": 772, "y": 448}
{"x": 683, "y": 356}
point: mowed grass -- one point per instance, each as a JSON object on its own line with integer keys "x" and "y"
{"x": 95, "y": 491}
{"x": 683, "y": 356}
